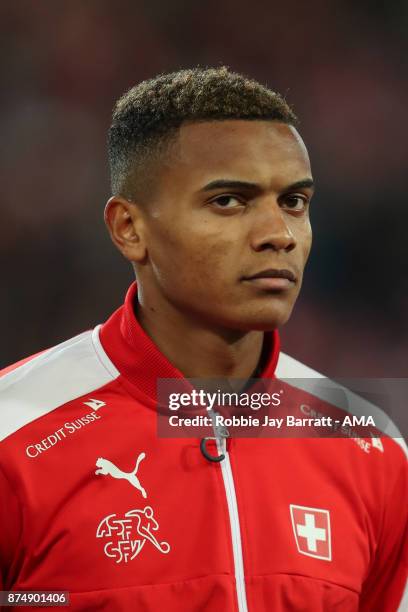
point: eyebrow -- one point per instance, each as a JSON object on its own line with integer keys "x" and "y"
{"x": 229, "y": 184}
{"x": 306, "y": 183}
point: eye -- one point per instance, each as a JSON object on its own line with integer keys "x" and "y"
{"x": 295, "y": 202}
{"x": 227, "y": 201}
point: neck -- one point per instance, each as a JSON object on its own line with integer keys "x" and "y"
{"x": 196, "y": 349}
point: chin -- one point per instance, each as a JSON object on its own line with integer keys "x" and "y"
{"x": 251, "y": 317}
{"x": 267, "y": 319}
{"x": 266, "y": 326}
{"x": 264, "y": 322}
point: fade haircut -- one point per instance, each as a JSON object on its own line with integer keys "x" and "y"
{"x": 147, "y": 117}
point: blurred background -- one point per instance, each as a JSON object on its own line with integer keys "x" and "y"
{"x": 341, "y": 65}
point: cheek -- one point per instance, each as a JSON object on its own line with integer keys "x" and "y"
{"x": 308, "y": 245}
{"x": 208, "y": 263}
{"x": 194, "y": 259}
{"x": 305, "y": 241}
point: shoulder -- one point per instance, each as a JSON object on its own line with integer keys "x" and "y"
{"x": 37, "y": 385}
{"x": 339, "y": 395}
{"x": 288, "y": 367}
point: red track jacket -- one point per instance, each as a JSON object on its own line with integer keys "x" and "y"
{"x": 95, "y": 503}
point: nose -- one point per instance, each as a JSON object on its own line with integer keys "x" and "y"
{"x": 272, "y": 230}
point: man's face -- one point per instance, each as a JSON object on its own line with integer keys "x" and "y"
{"x": 231, "y": 204}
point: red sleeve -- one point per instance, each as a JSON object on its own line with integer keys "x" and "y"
{"x": 10, "y": 526}
{"x": 384, "y": 587}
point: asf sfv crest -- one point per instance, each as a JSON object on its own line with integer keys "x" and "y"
{"x": 127, "y": 534}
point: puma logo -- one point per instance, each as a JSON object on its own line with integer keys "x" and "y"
{"x": 107, "y": 468}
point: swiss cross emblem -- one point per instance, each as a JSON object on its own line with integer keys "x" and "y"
{"x": 311, "y": 527}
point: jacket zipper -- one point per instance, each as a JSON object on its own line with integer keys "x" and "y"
{"x": 234, "y": 518}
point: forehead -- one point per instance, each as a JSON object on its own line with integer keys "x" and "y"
{"x": 261, "y": 151}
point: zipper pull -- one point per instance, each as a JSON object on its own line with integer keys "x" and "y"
{"x": 203, "y": 449}
{"x": 221, "y": 435}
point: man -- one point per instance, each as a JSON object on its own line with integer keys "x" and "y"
{"x": 211, "y": 188}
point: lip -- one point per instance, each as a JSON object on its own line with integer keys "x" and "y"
{"x": 272, "y": 279}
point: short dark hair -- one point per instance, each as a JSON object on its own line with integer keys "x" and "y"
{"x": 151, "y": 112}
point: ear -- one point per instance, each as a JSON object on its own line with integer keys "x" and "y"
{"x": 125, "y": 224}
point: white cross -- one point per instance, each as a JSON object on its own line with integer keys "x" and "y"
{"x": 311, "y": 532}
